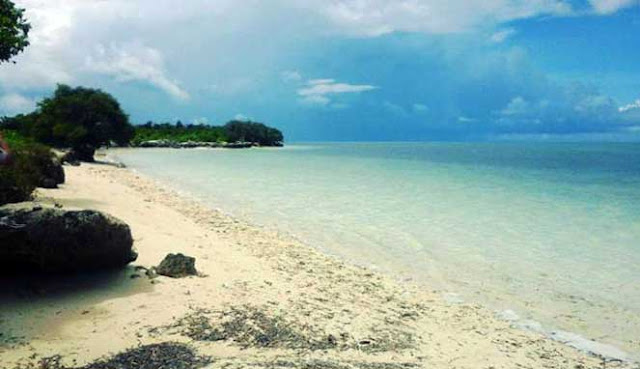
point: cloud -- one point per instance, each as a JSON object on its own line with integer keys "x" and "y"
{"x": 420, "y": 108}
{"x": 242, "y": 117}
{"x": 395, "y": 109}
{"x": 291, "y": 76}
{"x": 502, "y": 35}
{"x": 200, "y": 120}
{"x": 517, "y": 106}
{"x": 321, "y": 87}
{"x": 218, "y": 57}
{"x": 315, "y": 100}
{"x": 13, "y": 103}
{"x": 378, "y": 17}
{"x": 632, "y": 106}
{"x": 463, "y": 119}
{"x": 605, "y": 7}
{"x": 134, "y": 62}
{"x": 565, "y": 110}
{"x": 316, "y": 92}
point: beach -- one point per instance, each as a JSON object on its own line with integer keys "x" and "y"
{"x": 312, "y": 310}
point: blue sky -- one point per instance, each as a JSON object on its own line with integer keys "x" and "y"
{"x": 348, "y": 69}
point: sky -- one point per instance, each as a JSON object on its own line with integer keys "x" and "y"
{"x": 347, "y": 70}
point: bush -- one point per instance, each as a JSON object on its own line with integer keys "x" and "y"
{"x": 30, "y": 162}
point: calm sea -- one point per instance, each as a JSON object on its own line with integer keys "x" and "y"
{"x": 548, "y": 235}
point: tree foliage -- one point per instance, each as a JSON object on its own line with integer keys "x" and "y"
{"x": 80, "y": 118}
{"x": 178, "y": 133}
{"x": 237, "y": 130}
{"x": 14, "y": 30}
{"x": 233, "y": 131}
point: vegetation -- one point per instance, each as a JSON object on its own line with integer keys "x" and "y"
{"x": 253, "y": 132}
{"x": 14, "y": 30}
{"x": 233, "y": 131}
{"x": 80, "y": 118}
{"x": 24, "y": 174}
{"x": 178, "y": 133}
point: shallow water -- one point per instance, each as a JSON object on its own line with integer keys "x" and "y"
{"x": 549, "y": 231}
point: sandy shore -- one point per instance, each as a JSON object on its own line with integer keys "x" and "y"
{"x": 263, "y": 300}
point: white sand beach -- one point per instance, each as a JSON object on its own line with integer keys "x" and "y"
{"x": 326, "y": 313}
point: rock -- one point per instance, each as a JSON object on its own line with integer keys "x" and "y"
{"x": 77, "y": 154}
{"x": 238, "y": 145}
{"x": 52, "y": 240}
{"x": 52, "y": 174}
{"x": 70, "y": 158}
{"x": 48, "y": 183}
{"x": 177, "y": 266}
{"x": 84, "y": 153}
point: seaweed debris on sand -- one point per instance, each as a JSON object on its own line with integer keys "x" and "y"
{"x": 162, "y": 355}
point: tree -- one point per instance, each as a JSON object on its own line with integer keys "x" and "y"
{"x": 253, "y": 132}
{"x": 14, "y": 30}
{"x": 80, "y": 118}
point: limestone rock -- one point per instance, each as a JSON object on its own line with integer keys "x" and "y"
{"x": 49, "y": 239}
{"x": 177, "y": 266}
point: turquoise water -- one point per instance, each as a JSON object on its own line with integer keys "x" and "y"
{"x": 550, "y": 232}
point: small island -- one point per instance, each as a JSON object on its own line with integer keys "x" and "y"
{"x": 235, "y": 134}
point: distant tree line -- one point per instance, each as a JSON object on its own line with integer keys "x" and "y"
{"x": 233, "y": 131}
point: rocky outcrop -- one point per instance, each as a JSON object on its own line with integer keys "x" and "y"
{"x": 177, "y": 266}
{"x": 47, "y": 239}
{"x": 70, "y": 158}
{"x": 52, "y": 174}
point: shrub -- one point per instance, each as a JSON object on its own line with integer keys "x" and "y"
{"x": 30, "y": 160}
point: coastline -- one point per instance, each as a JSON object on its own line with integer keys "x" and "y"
{"x": 365, "y": 317}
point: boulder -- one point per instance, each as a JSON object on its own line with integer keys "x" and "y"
{"x": 177, "y": 266}
{"x": 84, "y": 152}
{"x": 51, "y": 240}
{"x": 70, "y": 158}
{"x": 52, "y": 174}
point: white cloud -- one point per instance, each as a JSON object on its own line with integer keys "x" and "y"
{"x": 134, "y": 62}
{"x": 321, "y": 81}
{"x": 611, "y": 6}
{"x": 316, "y": 91}
{"x": 502, "y": 35}
{"x": 291, "y": 76}
{"x": 321, "y": 87}
{"x": 463, "y": 119}
{"x": 201, "y": 120}
{"x": 632, "y": 106}
{"x": 242, "y": 117}
{"x": 517, "y": 106}
{"x": 377, "y": 17}
{"x": 317, "y": 100}
{"x": 13, "y": 103}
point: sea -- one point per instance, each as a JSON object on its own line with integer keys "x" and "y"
{"x": 547, "y": 235}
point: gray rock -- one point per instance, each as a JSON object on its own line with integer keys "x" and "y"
{"x": 177, "y": 266}
{"x": 48, "y": 239}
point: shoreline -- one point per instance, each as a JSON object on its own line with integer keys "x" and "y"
{"x": 345, "y": 314}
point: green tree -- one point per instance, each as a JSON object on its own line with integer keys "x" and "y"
{"x": 14, "y": 30}
{"x": 80, "y": 118}
{"x": 253, "y": 132}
